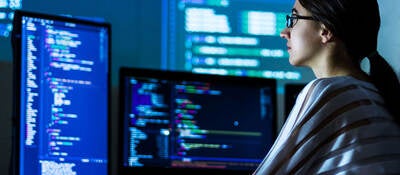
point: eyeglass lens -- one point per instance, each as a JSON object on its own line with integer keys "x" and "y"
{"x": 289, "y": 21}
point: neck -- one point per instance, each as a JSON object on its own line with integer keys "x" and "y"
{"x": 339, "y": 63}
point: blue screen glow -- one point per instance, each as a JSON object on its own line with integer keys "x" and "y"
{"x": 63, "y": 109}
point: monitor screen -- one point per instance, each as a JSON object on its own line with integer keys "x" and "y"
{"x": 229, "y": 37}
{"x": 185, "y": 123}
{"x": 61, "y": 78}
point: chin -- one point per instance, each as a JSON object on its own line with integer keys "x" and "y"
{"x": 293, "y": 61}
{"x": 296, "y": 61}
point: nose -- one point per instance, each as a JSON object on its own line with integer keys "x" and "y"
{"x": 285, "y": 33}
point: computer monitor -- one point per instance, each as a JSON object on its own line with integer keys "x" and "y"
{"x": 185, "y": 123}
{"x": 61, "y": 95}
{"x": 229, "y": 37}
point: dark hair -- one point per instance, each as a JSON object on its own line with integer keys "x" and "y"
{"x": 357, "y": 23}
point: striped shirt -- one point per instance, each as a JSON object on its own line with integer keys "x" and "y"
{"x": 338, "y": 125}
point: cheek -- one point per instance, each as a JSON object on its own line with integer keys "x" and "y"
{"x": 299, "y": 46}
{"x": 303, "y": 48}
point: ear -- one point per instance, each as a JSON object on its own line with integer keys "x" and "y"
{"x": 326, "y": 34}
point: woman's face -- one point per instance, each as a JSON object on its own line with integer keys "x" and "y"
{"x": 303, "y": 39}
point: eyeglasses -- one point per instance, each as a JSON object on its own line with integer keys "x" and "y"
{"x": 292, "y": 19}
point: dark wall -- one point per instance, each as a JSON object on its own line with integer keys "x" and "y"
{"x": 5, "y": 114}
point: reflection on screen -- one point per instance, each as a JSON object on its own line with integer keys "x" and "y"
{"x": 63, "y": 97}
{"x": 174, "y": 122}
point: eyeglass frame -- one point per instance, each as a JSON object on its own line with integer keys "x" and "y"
{"x": 290, "y": 19}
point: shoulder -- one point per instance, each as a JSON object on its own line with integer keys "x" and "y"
{"x": 344, "y": 97}
{"x": 344, "y": 119}
{"x": 344, "y": 88}
{"x": 343, "y": 84}
{"x": 342, "y": 128}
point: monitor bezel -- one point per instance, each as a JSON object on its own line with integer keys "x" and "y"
{"x": 17, "y": 67}
{"x": 189, "y": 76}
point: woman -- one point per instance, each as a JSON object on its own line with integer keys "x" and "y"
{"x": 345, "y": 121}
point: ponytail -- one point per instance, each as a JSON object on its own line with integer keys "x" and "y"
{"x": 385, "y": 79}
